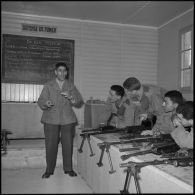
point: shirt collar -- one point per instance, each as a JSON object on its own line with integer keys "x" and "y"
{"x": 60, "y": 83}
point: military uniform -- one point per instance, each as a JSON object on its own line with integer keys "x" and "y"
{"x": 155, "y": 96}
{"x": 123, "y": 113}
{"x": 150, "y": 102}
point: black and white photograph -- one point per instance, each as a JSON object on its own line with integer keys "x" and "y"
{"x": 97, "y": 97}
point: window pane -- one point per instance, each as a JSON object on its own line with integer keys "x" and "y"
{"x": 186, "y": 59}
{"x": 185, "y": 78}
{"x": 182, "y": 41}
{"x": 186, "y": 40}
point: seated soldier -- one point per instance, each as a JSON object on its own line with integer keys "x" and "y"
{"x": 149, "y": 96}
{"x": 164, "y": 123}
{"x": 185, "y": 116}
{"x": 117, "y": 109}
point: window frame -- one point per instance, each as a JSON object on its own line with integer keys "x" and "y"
{"x": 181, "y": 32}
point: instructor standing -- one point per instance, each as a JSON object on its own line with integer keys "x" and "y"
{"x": 56, "y": 100}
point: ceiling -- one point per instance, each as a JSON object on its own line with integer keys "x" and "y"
{"x": 146, "y": 13}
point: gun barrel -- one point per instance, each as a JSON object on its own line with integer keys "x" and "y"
{"x": 165, "y": 148}
{"x": 128, "y": 149}
{"x": 130, "y": 136}
{"x": 90, "y": 133}
{"x": 126, "y": 156}
{"x": 139, "y": 139}
{"x": 184, "y": 161}
{"x": 143, "y": 138}
{"x": 102, "y": 129}
{"x": 142, "y": 164}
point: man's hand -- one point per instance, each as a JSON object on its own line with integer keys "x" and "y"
{"x": 143, "y": 117}
{"x": 49, "y": 103}
{"x": 68, "y": 96}
{"x": 147, "y": 132}
{"x": 176, "y": 122}
{"x": 65, "y": 94}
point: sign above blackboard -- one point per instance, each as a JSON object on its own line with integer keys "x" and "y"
{"x": 27, "y": 59}
{"x": 38, "y": 28}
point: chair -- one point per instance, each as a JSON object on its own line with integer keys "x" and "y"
{"x": 4, "y": 140}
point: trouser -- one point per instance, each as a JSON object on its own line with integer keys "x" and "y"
{"x": 52, "y": 136}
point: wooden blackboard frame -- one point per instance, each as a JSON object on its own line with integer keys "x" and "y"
{"x": 31, "y": 60}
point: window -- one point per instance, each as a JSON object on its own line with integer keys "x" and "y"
{"x": 186, "y": 59}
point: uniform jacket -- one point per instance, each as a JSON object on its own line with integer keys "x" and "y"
{"x": 182, "y": 137}
{"x": 152, "y": 103}
{"x": 124, "y": 111}
{"x": 61, "y": 113}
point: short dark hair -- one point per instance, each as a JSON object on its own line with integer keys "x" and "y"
{"x": 131, "y": 84}
{"x": 186, "y": 109}
{"x": 175, "y": 96}
{"x": 118, "y": 89}
{"x": 64, "y": 65}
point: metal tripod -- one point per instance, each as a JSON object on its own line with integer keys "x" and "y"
{"x": 80, "y": 150}
{"x": 132, "y": 171}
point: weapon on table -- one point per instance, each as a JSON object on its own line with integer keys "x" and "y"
{"x": 133, "y": 168}
{"x": 184, "y": 152}
{"x": 147, "y": 146}
{"x": 86, "y": 135}
{"x": 159, "y": 149}
{"x": 105, "y": 146}
{"x": 105, "y": 130}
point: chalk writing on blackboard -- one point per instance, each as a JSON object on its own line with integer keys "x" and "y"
{"x": 27, "y": 59}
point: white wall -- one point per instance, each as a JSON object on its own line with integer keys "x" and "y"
{"x": 105, "y": 54}
{"x": 168, "y": 61}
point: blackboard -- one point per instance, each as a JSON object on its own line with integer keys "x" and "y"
{"x": 28, "y": 59}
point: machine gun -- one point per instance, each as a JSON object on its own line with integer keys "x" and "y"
{"x": 158, "y": 150}
{"x": 133, "y": 130}
{"x": 87, "y": 133}
{"x": 184, "y": 152}
{"x": 133, "y": 168}
{"x": 105, "y": 146}
{"x": 147, "y": 146}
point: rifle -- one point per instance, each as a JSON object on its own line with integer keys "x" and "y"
{"x": 159, "y": 149}
{"x": 180, "y": 153}
{"x": 104, "y": 130}
{"x": 149, "y": 145}
{"x": 105, "y": 146}
{"x": 133, "y": 169}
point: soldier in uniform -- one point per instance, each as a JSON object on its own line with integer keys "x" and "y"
{"x": 149, "y": 96}
{"x": 118, "y": 111}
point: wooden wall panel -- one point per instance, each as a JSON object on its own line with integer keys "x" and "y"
{"x": 105, "y": 54}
